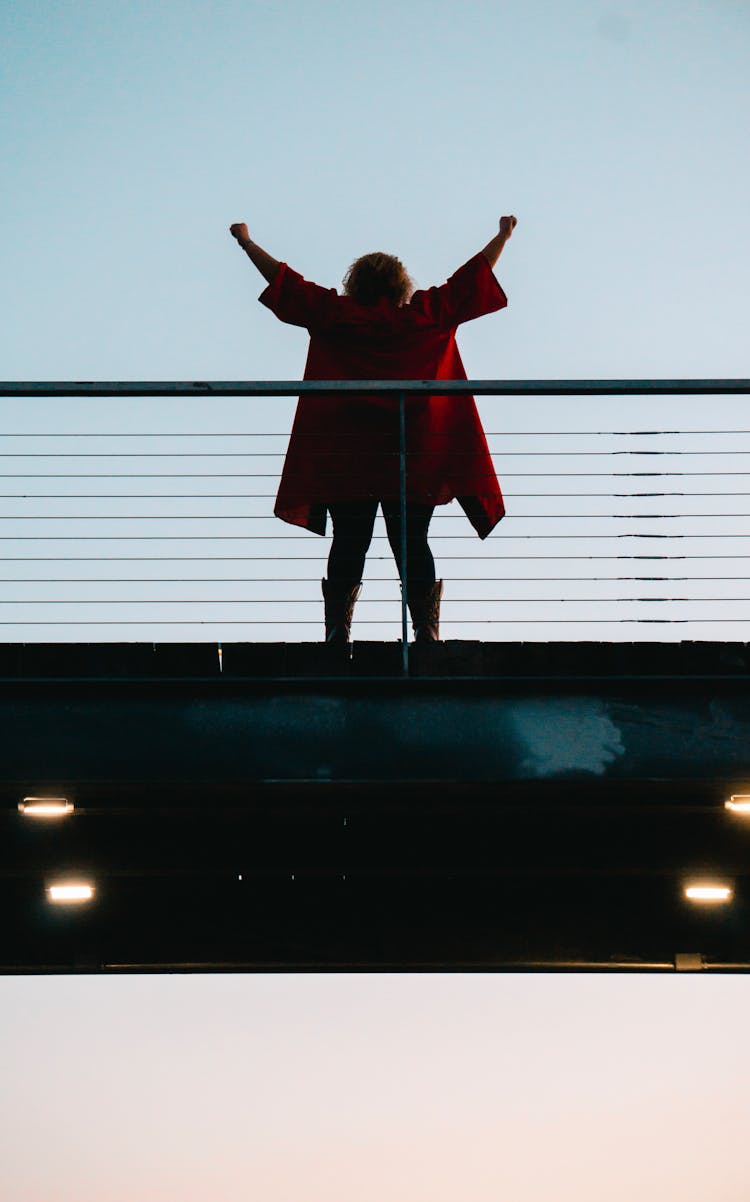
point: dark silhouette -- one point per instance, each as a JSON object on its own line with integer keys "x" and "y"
{"x": 343, "y": 455}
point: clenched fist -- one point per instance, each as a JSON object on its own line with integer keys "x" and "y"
{"x": 239, "y": 231}
{"x": 507, "y": 226}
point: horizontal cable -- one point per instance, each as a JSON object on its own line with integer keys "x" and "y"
{"x": 275, "y": 475}
{"x": 256, "y": 496}
{"x": 293, "y": 538}
{"x": 322, "y": 555}
{"x": 341, "y": 434}
{"x": 366, "y": 600}
{"x": 374, "y": 454}
{"x": 250, "y": 517}
{"x": 217, "y": 580}
{"x": 378, "y": 622}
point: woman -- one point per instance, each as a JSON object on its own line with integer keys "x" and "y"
{"x": 343, "y": 455}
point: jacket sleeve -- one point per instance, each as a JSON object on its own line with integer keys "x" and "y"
{"x": 470, "y": 292}
{"x": 297, "y": 301}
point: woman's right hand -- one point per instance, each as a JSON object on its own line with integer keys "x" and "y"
{"x": 507, "y": 226}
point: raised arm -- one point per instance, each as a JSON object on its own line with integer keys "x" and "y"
{"x": 494, "y": 247}
{"x": 267, "y": 266}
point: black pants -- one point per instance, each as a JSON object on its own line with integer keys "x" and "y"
{"x": 353, "y": 523}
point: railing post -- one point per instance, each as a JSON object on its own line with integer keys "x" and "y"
{"x": 402, "y": 501}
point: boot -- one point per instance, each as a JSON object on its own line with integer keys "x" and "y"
{"x": 339, "y": 601}
{"x": 424, "y": 608}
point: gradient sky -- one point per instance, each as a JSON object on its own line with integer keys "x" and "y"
{"x": 131, "y": 135}
{"x": 134, "y": 134}
{"x": 375, "y": 1088}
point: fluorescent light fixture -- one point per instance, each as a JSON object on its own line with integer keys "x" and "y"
{"x": 70, "y": 892}
{"x": 708, "y": 891}
{"x": 739, "y": 803}
{"x": 46, "y": 807}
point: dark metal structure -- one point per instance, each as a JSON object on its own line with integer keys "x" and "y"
{"x": 473, "y": 806}
{"x": 507, "y": 806}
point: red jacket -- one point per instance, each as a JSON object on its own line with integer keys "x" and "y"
{"x": 344, "y": 447}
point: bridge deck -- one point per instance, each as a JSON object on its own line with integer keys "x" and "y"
{"x": 508, "y": 805}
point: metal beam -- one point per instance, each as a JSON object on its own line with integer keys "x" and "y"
{"x": 515, "y": 388}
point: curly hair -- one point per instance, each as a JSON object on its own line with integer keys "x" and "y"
{"x": 376, "y": 277}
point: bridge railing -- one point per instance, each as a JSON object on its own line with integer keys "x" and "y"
{"x": 125, "y": 519}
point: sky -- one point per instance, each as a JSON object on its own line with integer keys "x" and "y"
{"x": 136, "y": 134}
{"x": 496, "y": 1088}
{"x": 131, "y": 136}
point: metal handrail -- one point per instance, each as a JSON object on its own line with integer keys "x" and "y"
{"x": 180, "y": 388}
{"x": 400, "y": 389}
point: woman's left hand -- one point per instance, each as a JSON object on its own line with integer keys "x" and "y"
{"x": 239, "y": 231}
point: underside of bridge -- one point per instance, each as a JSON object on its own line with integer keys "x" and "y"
{"x": 506, "y": 806}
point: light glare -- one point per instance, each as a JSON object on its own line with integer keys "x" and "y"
{"x": 739, "y": 803}
{"x": 708, "y": 893}
{"x": 73, "y": 892}
{"x": 46, "y": 807}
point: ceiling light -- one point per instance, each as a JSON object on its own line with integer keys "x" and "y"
{"x": 707, "y": 891}
{"x": 739, "y": 803}
{"x": 70, "y": 892}
{"x": 46, "y": 807}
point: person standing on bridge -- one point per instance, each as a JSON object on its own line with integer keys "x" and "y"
{"x": 343, "y": 454}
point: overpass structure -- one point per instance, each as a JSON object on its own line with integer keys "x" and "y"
{"x": 506, "y": 806}
{"x": 470, "y": 805}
